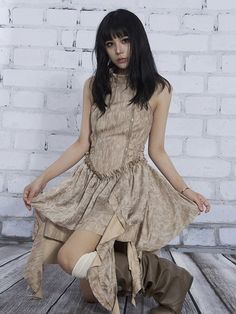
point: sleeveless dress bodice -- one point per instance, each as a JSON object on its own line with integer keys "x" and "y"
{"x": 118, "y": 137}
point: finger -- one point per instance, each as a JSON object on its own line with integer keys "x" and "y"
{"x": 208, "y": 208}
{"x": 28, "y": 207}
{"x": 199, "y": 204}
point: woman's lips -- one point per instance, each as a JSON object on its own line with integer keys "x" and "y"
{"x": 123, "y": 60}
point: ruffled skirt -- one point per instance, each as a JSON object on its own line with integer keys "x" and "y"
{"x": 137, "y": 205}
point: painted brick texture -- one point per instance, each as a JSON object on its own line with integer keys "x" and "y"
{"x": 45, "y": 57}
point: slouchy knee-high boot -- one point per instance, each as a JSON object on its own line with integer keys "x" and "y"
{"x": 162, "y": 279}
{"x": 166, "y": 282}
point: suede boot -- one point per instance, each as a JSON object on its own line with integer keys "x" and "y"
{"x": 162, "y": 279}
{"x": 166, "y": 282}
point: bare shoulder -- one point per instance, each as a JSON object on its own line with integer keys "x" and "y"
{"x": 160, "y": 96}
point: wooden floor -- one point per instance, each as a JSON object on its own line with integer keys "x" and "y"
{"x": 213, "y": 290}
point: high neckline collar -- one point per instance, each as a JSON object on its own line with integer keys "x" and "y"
{"x": 118, "y": 77}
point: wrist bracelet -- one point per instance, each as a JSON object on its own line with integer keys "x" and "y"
{"x": 184, "y": 189}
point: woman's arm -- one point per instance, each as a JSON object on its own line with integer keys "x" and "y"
{"x": 156, "y": 149}
{"x": 158, "y": 155}
{"x": 78, "y": 149}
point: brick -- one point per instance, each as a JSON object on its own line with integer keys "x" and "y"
{"x": 29, "y": 57}
{"x": 186, "y": 83}
{"x": 227, "y": 236}
{"x": 175, "y": 105}
{"x": 219, "y": 213}
{"x": 222, "y": 42}
{"x": 168, "y": 62}
{"x": 221, "y": 127}
{"x": 63, "y": 102}
{"x": 184, "y": 126}
{"x": 17, "y": 182}
{"x": 34, "y": 78}
{"x": 1, "y": 182}
{"x": 91, "y": 19}
{"x": 228, "y": 147}
{"x": 184, "y": 42}
{"x": 227, "y": 22}
{"x": 222, "y": 85}
{"x": 28, "y": 37}
{"x": 4, "y": 15}
{"x": 202, "y": 147}
{"x": 78, "y": 81}
{"x": 62, "y": 17}
{"x": 4, "y": 97}
{"x": 201, "y": 105}
{"x": 5, "y": 140}
{"x": 228, "y": 190}
{"x": 12, "y": 206}
{"x": 60, "y": 142}
{"x": 85, "y": 39}
{"x": 28, "y": 99}
{"x": 199, "y": 236}
{"x": 86, "y": 61}
{"x": 174, "y": 241}
{"x": 4, "y": 56}
{"x": 27, "y": 16}
{"x": 105, "y": 4}
{"x": 221, "y": 5}
{"x": 202, "y": 168}
{"x": 63, "y": 59}
{"x": 29, "y": 140}
{"x": 203, "y": 23}
{"x": 67, "y": 38}
{"x": 171, "y": 4}
{"x": 229, "y": 63}
{"x": 164, "y": 22}
{"x": 173, "y": 146}
{"x": 228, "y": 106}
{"x": 13, "y": 160}
{"x": 17, "y": 228}
{"x": 42, "y": 161}
{"x": 34, "y": 121}
{"x": 198, "y": 63}
{"x": 204, "y": 187}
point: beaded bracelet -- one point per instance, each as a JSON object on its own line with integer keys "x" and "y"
{"x": 184, "y": 189}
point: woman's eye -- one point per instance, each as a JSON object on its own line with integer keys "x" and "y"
{"x": 108, "y": 44}
{"x": 125, "y": 40}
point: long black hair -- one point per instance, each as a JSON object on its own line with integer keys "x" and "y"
{"x": 142, "y": 75}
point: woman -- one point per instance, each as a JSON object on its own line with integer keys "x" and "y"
{"x": 113, "y": 195}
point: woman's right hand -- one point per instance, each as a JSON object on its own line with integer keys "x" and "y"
{"x": 32, "y": 190}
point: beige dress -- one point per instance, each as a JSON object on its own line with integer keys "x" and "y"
{"x": 113, "y": 192}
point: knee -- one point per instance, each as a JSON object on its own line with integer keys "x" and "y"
{"x": 63, "y": 259}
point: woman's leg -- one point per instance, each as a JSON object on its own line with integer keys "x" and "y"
{"x": 79, "y": 243}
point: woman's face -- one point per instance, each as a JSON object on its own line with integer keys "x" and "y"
{"x": 118, "y": 50}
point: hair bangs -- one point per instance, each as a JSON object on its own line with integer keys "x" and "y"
{"x": 113, "y": 30}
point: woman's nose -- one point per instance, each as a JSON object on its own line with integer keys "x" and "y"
{"x": 118, "y": 48}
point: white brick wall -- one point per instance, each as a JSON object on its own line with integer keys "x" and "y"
{"x": 45, "y": 57}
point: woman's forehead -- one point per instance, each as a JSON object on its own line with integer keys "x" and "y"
{"x": 113, "y": 34}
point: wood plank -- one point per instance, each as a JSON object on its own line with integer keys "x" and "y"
{"x": 188, "y": 305}
{"x": 55, "y": 282}
{"x": 205, "y": 298}
{"x": 10, "y": 252}
{"x": 221, "y": 273}
{"x": 11, "y": 272}
{"x": 72, "y": 302}
{"x": 230, "y": 257}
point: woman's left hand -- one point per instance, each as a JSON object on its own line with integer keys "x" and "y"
{"x": 199, "y": 199}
